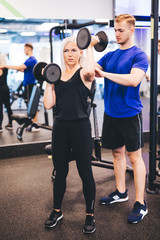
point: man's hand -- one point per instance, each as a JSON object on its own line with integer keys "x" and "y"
{"x": 98, "y": 72}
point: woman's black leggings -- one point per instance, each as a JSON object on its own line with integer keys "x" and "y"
{"x": 73, "y": 136}
{"x": 5, "y": 99}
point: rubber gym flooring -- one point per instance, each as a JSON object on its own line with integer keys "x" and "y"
{"x": 26, "y": 202}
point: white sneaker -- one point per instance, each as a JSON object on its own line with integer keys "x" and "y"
{"x": 35, "y": 129}
{"x": 9, "y": 126}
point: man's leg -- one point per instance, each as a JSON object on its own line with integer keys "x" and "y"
{"x": 119, "y": 161}
{"x": 113, "y": 139}
{"x": 120, "y": 195}
{"x": 139, "y": 171}
{"x": 140, "y": 208}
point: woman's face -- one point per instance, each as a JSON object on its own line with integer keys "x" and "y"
{"x": 72, "y": 54}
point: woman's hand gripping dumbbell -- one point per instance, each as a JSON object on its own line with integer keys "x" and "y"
{"x": 50, "y": 73}
{"x": 84, "y": 38}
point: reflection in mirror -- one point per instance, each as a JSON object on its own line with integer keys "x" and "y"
{"x": 12, "y": 46}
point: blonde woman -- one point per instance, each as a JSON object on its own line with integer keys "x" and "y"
{"x": 71, "y": 127}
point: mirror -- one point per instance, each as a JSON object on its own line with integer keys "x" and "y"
{"x": 12, "y": 44}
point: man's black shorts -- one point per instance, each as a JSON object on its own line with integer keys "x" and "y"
{"x": 117, "y": 132}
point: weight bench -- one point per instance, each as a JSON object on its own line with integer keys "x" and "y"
{"x": 26, "y": 120}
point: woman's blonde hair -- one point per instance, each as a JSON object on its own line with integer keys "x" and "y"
{"x": 64, "y": 42}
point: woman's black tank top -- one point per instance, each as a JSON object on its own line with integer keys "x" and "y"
{"x": 3, "y": 78}
{"x": 71, "y": 98}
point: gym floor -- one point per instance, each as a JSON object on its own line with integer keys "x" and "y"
{"x": 26, "y": 195}
{"x": 26, "y": 202}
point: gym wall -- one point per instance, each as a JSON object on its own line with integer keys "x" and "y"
{"x": 63, "y": 9}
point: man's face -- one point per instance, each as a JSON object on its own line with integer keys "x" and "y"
{"x": 26, "y": 50}
{"x": 123, "y": 32}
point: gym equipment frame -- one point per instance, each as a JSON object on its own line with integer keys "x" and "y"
{"x": 153, "y": 182}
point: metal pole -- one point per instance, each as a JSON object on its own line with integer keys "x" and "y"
{"x": 50, "y": 40}
{"x": 153, "y": 94}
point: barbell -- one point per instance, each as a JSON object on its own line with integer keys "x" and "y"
{"x": 84, "y": 39}
{"x": 50, "y": 73}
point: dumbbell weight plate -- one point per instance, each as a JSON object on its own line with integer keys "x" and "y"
{"x": 83, "y": 38}
{"x": 37, "y": 71}
{"x": 52, "y": 73}
{"x": 99, "y": 47}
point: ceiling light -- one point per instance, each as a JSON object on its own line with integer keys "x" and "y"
{"x": 28, "y": 34}
{"x": 4, "y": 41}
{"x": 47, "y": 26}
{"x": 68, "y": 30}
{"x": 100, "y": 20}
{"x": 15, "y": 18}
{"x": 3, "y": 30}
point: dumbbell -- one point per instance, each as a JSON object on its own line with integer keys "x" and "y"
{"x": 84, "y": 39}
{"x": 50, "y": 73}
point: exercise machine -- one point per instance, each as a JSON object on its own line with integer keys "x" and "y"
{"x": 26, "y": 120}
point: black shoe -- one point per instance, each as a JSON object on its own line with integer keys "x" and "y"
{"x": 89, "y": 226}
{"x": 53, "y": 219}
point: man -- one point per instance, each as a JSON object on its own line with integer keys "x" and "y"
{"x": 27, "y": 68}
{"x": 123, "y": 70}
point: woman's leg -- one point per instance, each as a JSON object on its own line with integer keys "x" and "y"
{"x": 82, "y": 148}
{"x": 59, "y": 156}
{"x": 1, "y": 106}
{"x": 7, "y": 104}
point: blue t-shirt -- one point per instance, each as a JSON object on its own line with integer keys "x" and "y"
{"x": 122, "y": 101}
{"x": 28, "y": 72}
